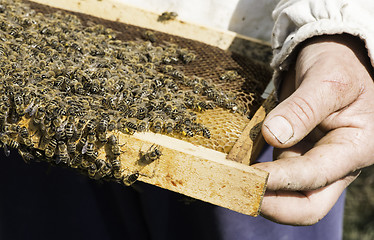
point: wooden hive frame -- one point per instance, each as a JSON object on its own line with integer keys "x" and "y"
{"x": 185, "y": 168}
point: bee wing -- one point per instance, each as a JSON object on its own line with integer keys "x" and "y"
{"x": 6, "y": 150}
{"x": 84, "y": 148}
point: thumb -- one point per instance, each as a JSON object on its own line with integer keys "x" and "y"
{"x": 316, "y": 98}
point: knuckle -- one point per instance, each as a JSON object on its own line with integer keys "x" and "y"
{"x": 303, "y": 110}
{"x": 341, "y": 84}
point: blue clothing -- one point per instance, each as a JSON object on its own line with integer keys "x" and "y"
{"x": 42, "y": 202}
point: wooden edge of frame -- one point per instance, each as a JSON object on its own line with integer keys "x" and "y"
{"x": 117, "y": 11}
{"x": 249, "y": 144}
{"x": 203, "y": 174}
{"x": 191, "y": 170}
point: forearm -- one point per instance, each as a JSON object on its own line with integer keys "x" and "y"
{"x": 298, "y": 20}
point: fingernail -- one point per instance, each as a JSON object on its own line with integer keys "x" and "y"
{"x": 280, "y": 128}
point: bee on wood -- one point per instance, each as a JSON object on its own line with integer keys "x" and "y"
{"x": 115, "y": 151}
{"x": 114, "y": 146}
{"x": 167, "y": 16}
{"x": 152, "y": 154}
{"x": 130, "y": 179}
{"x": 102, "y": 129}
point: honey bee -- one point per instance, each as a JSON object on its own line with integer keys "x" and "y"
{"x": 11, "y": 128}
{"x": 189, "y": 57}
{"x": 3, "y": 114}
{"x": 169, "y": 125}
{"x": 131, "y": 125}
{"x": 203, "y": 105}
{"x": 115, "y": 151}
{"x": 19, "y": 104}
{"x": 168, "y": 69}
{"x": 95, "y": 86}
{"x": 79, "y": 130}
{"x": 70, "y": 127}
{"x": 143, "y": 125}
{"x": 114, "y": 146}
{"x": 231, "y": 105}
{"x": 150, "y": 36}
{"x": 171, "y": 86}
{"x": 77, "y": 87}
{"x": 157, "y": 124}
{"x": 186, "y": 131}
{"x": 76, "y": 161}
{"x": 25, "y": 137}
{"x": 229, "y": 75}
{"x": 62, "y": 153}
{"x": 130, "y": 179}
{"x": 102, "y": 129}
{"x": 91, "y": 169}
{"x": 152, "y": 154}
{"x": 104, "y": 167}
{"x": 7, "y": 141}
{"x": 112, "y": 125}
{"x": 89, "y": 147}
{"x": 91, "y": 125}
{"x": 178, "y": 75}
{"x": 167, "y": 16}
{"x": 51, "y": 148}
{"x": 59, "y": 81}
{"x": 206, "y": 132}
{"x": 71, "y": 147}
{"x": 26, "y": 156}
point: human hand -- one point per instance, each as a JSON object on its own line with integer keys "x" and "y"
{"x": 323, "y": 130}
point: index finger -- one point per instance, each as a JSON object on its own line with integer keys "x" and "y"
{"x": 335, "y": 156}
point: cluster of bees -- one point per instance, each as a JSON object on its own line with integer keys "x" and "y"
{"x": 75, "y": 84}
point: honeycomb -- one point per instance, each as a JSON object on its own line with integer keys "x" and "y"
{"x": 72, "y": 81}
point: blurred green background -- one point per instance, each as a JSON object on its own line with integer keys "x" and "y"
{"x": 359, "y": 208}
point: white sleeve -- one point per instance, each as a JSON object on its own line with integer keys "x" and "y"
{"x": 298, "y": 20}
